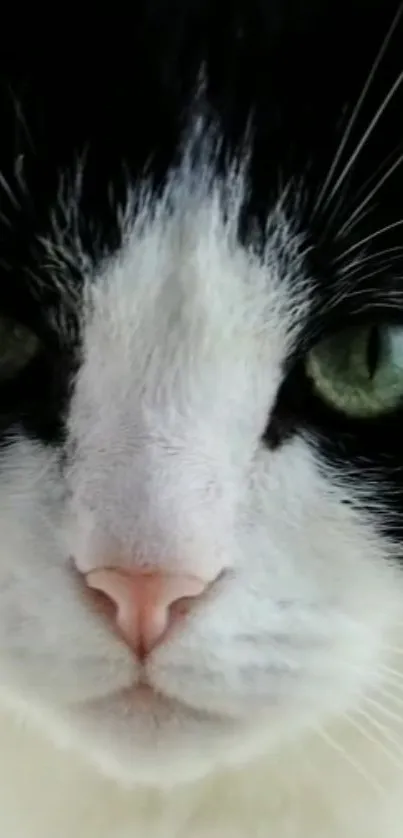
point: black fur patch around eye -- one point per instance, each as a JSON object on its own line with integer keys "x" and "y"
{"x": 317, "y": 95}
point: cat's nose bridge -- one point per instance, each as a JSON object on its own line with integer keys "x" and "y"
{"x": 173, "y": 505}
{"x": 133, "y": 464}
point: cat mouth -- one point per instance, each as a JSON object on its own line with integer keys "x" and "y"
{"x": 145, "y": 699}
{"x": 145, "y": 692}
{"x": 145, "y": 696}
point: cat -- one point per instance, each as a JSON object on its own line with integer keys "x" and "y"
{"x": 201, "y": 397}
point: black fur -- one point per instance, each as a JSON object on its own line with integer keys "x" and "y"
{"x": 114, "y": 99}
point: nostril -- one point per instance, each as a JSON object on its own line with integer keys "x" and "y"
{"x": 103, "y": 603}
{"x": 98, "y": 601}
{"x": 181, "y": 607}
{"x": 143, "y": 606}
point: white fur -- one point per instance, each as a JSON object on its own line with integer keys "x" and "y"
{"x": 274, "y": 717}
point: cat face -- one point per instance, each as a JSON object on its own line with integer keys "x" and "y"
{"x": 207, "y": 381}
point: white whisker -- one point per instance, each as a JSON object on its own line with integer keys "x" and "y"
{"x": 382, "y": 709}
{"x": 351, "y": 761}
{"x": 390, "y": 695}
{"x": 374, "y": 741}
{"x": 385, "y": 731}
{"x": 392, "y": 672}
{"x": 354, "y": 115}
{"x": 353, "y": 267}
{"x": 372, "y": 236}
{"x": 10, "y": 194}
{"x": 350, "y": 223}
{"x": 352, "y": 294}
{"x": 365, "y": 137}
{"x": 362, "y": 278}
{"x": 363, "y": 189}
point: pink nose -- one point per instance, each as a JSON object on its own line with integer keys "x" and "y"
{"x": 146, "y": 605}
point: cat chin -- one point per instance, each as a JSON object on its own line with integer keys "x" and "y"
{"x": 139, "y": 738}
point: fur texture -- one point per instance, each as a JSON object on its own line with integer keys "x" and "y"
{"x": 177, "y": 250}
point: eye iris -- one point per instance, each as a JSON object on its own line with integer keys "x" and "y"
{"x": 359, "y": 372}
{"x": 18, "y": 346}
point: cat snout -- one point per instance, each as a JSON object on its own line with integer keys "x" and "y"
{"x": 144, "y": 605}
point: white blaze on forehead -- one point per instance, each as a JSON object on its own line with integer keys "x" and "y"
{"x": 185, "y": 336}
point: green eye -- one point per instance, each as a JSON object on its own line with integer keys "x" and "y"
{"x": 359, "y": 371}
{"x": 18, "y": 346}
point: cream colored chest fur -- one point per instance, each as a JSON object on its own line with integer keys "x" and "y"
{"x": 312, "y": 792}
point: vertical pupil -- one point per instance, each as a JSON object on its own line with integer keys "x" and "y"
{"x": 373, "y": 350}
